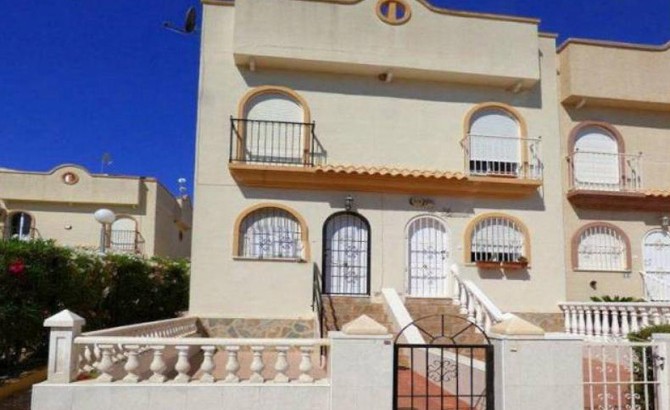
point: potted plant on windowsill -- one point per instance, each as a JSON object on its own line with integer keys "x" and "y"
{"x": 521, "y": 263}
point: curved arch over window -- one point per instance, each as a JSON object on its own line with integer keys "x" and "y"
{"x": 601, "y": 246}
{"x": 273, "y": 127}
{"x": 497, "y": 238}
{"x": 271, "y": 231}
{"x": 346, "y": 254}
{"x": 428, "y": 254}
{"x": 495, "y": 134}
{"x": 124, "y": 235}
{"x": 20, "y": 225}
{"x": 597, "y": 150}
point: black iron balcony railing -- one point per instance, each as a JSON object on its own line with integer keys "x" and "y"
{"x": 126, "y": 241}
{"x": 272, "y": 142}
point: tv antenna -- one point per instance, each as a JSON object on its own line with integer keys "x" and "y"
{"x": 183, "y": 190}
{"x": 106, "y": 160}
{"x": 190, "y": 21}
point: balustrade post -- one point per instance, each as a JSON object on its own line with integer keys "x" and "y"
{"x": 132, "y": 364}
{"x": 63, "y": 353}
{"x": 566, "y": 319}
{"x": 645, "y": 317}
{"x": 257, "y": 365}
{"x": 471, "y": 308}
{"x": 183, "y": 366}
{"x": 157, "y": 365}
{"x": 232, "y": 365}
{"x": 574, "y": 328}
{"x": 207, "y": 366}
{"x": 106, "y": 364}
{"x": 634, "y": 324}
{"x": 305, "y": 365}
{"x": 606, "y": 321}
{"x": 464, "y": 299}
{"x": 589, "y": 321}
{"x": 282, "y": 365}
{"x": 582, "y": 321}
{"x": 655, "y": 316}
{"x": 625, "y": 327}
{"x": 597, "y": 325}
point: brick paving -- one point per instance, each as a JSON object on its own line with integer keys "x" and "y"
{"x": 19, "y": 401}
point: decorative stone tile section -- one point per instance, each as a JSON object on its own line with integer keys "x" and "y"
{"x": 258, "y": 328}
{"x": 550, "y": 322}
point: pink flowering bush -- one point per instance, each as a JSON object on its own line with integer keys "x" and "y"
{"x": 39, "y": 279}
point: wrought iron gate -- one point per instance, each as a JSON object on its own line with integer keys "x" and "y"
{"x": 346, "y": 254}
{"x": 453, "y": 370}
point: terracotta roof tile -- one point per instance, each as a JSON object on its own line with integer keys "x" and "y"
{"x": 657, "y": 193}
{"x": 383, "y": 171}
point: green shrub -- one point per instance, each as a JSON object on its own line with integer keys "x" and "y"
{"x": 39, "y": 279}
{"x": 644, "y": 335}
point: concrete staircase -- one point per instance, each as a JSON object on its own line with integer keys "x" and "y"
{"x": 340, "y": 310}
{"x": 419, "y": 308}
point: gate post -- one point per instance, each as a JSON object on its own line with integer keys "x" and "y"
{"x": 361, "y": 366}
{"x": 662, "y": 370}
{"x": 534, "y": 370}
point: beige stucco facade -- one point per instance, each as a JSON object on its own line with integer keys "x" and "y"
{"x": 61, "y": 204}
{"x": 416, "y": 121}
{"x": 621, "y": 88}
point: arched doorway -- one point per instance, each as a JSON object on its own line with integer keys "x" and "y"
{"x": 656, "y": 254}
{"x": 427, "y": 257}
{"x": 346, "y": 254}
{"x": 596, "y": 160}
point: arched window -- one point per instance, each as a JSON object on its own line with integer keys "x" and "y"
{"x": 274, "y": 126}
{"x": 596, "y": 159}
{"x": 20, "y": 226}
{"x": 346, "y": 254}
{"x": 494, "y": 142}
{"x": 497, "y": 238}
{"x": 656, "y": 251}
{"x": 124, "y": 235}
{"x": 601, "y": 247}
{"x": 270, "y": 232}
{"x": 427, "y": 257}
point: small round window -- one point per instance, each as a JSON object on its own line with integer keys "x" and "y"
{"x": 393, "y": 11}
{"x": 70, "y": 178}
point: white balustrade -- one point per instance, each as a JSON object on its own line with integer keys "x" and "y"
{"x": 473, "y": 303}
{"x": 159, "y": 360}
{"x": 180, "y": 327}
{"x": 612, "y": 320}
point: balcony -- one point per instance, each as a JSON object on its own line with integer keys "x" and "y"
{"x": 125, "y": 241}
{"x": 617, "y": 182}
{"x": 289, "y": 155}
{"x": 506, "y": 157}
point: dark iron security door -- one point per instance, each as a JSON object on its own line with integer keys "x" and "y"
{"x": 346, "y": 258}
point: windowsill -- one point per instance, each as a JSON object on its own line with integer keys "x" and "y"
{"x": 285, "y": 260}
{"x": 602, "y": 270}
{"x": 498, "y": 266}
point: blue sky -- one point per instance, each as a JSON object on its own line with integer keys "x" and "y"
{"x": 80, "y": 78}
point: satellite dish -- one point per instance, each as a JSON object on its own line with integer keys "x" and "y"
{"x": 190, "y": 21}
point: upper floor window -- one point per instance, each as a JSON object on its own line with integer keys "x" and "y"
{"x": 601, "y": 247}
{"x": 270, "y": 232}
{"x": 273, "y": 128}
{"x": 498, "y": 238}
{"x": 494, "y": 142}
{"x": 20, "y": 226}
{"x": 596, "y": 158}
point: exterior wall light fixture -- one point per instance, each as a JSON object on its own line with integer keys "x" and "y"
{"x": 349, "y": 203}
{"x": 665, "y": 221}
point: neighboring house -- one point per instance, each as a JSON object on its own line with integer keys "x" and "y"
{"x": 615, "y": 133}
{"x": 60, "y": 204}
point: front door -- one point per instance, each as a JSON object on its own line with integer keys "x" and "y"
{"x": 427, "y": 257}
{"x": 346, "y": 259}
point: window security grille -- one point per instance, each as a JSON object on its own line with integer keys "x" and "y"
{"x": 657, "y": 252}
{"x": 601, "y": 248}
{"x": 497, "y": 239}
{"x": 346, "y": 255}
{"x": 270, "y": 233}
